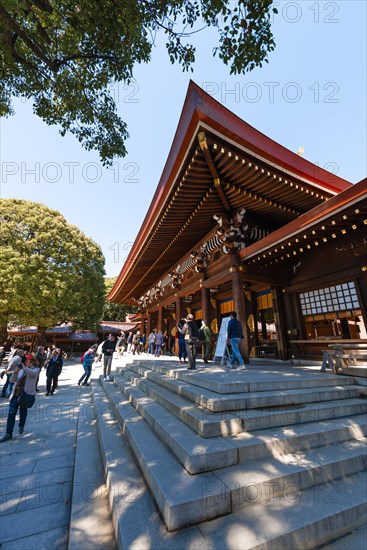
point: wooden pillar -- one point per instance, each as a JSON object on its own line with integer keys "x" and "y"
{"x": 243, "y": 307}
{"x": 160, "y": 319}
{"x": 149, "y": 328}
{"x": 205, "y": 305}
{"x": 280, "y": 323}
{"x": 179, "y": 314}
{"x": 142, "y": 323}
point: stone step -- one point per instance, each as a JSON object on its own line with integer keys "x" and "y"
{"x": 178, "y": 495}
{"x": 209, "y": 424}
{"x": 185, "y": 500}
{"x": 216, "y": 379}
{"x": 136, "y": 520}
{"x": 89, "y": 495}
{"x": 311, "y": 519}
{"x": 197, "y": 454}
{"x": 237, "y": 401}
{"x": 202, "y": 421}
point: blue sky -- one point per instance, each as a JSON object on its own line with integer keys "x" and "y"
{"x": 311, "y": 94}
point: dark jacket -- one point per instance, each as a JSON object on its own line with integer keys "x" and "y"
{"x": 234, "y": 329}
{"x": 54, "y": 366}
{"x": 108, "y": 347}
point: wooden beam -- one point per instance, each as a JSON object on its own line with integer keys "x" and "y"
{"x": 216, "y": 179}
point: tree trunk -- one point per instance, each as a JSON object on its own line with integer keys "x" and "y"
{"x": 40, "y": 339}
{"x": 3, "y": 328}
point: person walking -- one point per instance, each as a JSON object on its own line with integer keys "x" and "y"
{"x": 191, "y": 333}
{"x": 23, "y": 378}
{"x": 204, "y": 337}
{"x": 108, "y": 347}
{"x": 87, "y": 365}
{"x": 53, "y": 371}
{"x": 235, "y": 335}
{"x": 159, "y": 341}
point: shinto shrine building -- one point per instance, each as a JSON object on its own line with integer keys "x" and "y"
{"x": 238, "y": 222}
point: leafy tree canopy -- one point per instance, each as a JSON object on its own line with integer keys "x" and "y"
{"x": 50, "y": 271}
{"x": 113, "y": 311}
{"x": 65, "y": 55}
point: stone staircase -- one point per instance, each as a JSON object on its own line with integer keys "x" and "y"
{"x": 271, "y": 457}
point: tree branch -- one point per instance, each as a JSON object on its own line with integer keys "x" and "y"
{"x": 8, "y": 20}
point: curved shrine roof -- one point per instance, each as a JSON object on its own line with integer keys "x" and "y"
{"x": 217, "y": 163}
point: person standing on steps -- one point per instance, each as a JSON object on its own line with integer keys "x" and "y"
{"x": 182, "y": 353}
{"x": 191, "y": 333}
{"x": 235, "y": 335}
{"x": 204, "y": 337}
{"x": 108, "y": 348}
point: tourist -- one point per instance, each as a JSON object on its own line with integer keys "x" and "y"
{"x": 182, "y": 352}
{"x": 2, "y": 354}
{"x": 159, "y": 341}
{"x": 204, "y": 337}
{"x": 235, "y": 335}
{"x": 24, "y": 378}
{"x": 136, "y": 343}
{"x": 87, "y": 365}
{"x": 190, "y": 332}
{"x": 120, "y": 344}
{"x": 129, "y": 342}
{"x": 18, "y": 357}
{"x": 108, "y": 347}
{"x": 40, "y": 355}
{"x": 151, "y": 342}
{"x": 53, "y": 371}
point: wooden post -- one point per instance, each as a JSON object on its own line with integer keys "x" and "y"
{"x": 149, "y": 324}
{"x": 178, "y": 318}
{"x": 280, "y": 323}
{"x": 240, "y": 306}
{"x": 160, "y": 319}
{"x": 205, "y": 305}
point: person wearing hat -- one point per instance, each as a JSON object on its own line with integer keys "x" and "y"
{"x": 191, "y": 333}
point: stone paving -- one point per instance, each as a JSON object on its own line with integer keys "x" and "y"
{"x": 53, "y": 494}
{"x": 37, "y": 472}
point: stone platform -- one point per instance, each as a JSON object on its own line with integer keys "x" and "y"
{"x": 271, "y": 457}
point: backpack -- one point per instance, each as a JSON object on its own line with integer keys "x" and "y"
{"x": 192, "y": 329}
{"x": 201, "y": 335}
{"x": 82, "y": 357}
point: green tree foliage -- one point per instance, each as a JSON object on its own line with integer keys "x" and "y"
{"x": 113, "y": 311}
{"x": 66, "y": 55}
{"x": 50, "y": 272}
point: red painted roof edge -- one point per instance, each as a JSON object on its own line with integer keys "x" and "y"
{"x": 200, "y": 106}
{"x": 357, "y": 191}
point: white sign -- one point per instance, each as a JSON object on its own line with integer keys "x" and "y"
{"x": 221, "y": 349}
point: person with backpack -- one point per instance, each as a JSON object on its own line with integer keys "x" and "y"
{"x": 204, "y": 339}
{"x": 88, "y": 357}
{"x": 191, "y": 333}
